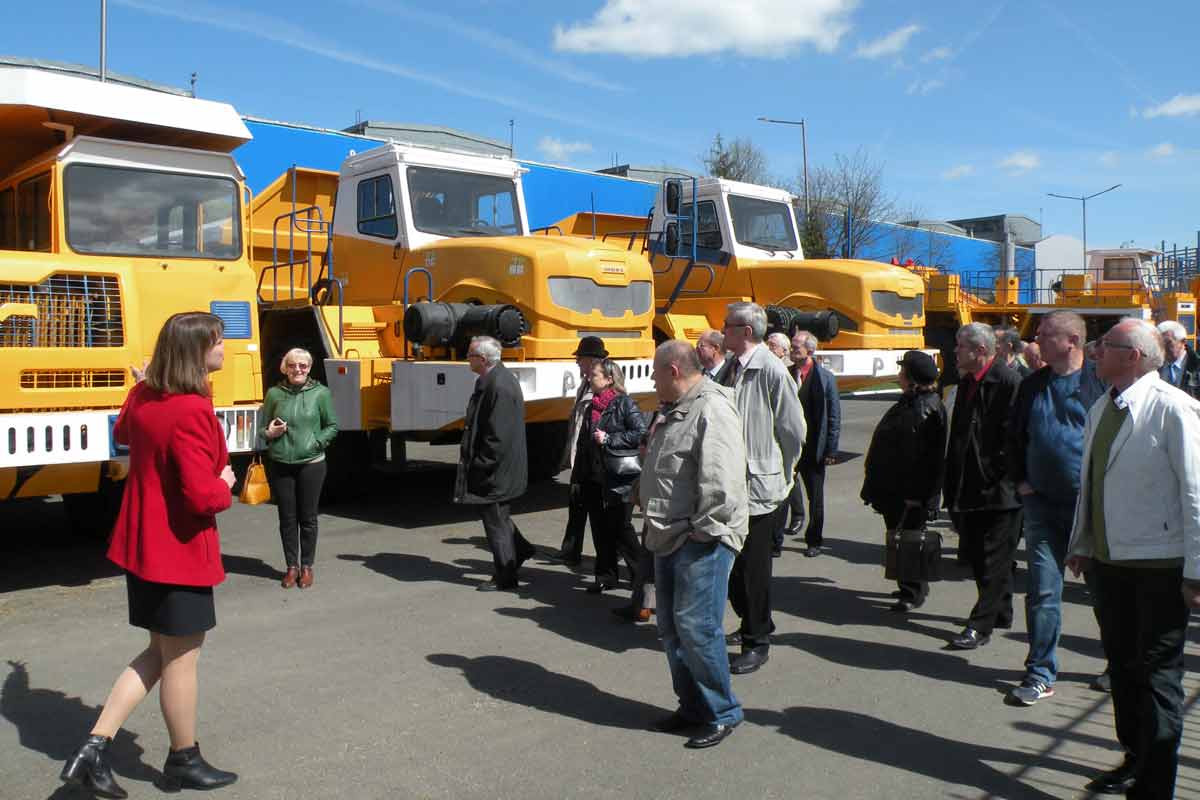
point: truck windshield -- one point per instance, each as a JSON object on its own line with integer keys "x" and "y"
{"x": 135, "y": 212}
{"x": 765, "y": 224}
{"x": 449, "y": 203}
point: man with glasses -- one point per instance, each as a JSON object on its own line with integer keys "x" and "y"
{"x": 1181, "y": 368}
{"x": 1137, "y": 531}
{"x": 710, "y": 347}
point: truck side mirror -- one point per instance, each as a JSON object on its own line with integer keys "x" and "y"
{"x": 672, "y": 243}
{"x": 673, "y": 190}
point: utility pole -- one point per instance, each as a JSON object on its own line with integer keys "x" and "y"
{"x": 1083, "y": 199}
{"x": 103, "y": 40}
{"x": 511, "y": 132}
{"x": 194, "y": 76}
{"x": 803, "y": 152}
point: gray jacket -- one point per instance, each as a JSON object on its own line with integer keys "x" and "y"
{"x": 687, "y": 488}
{"x": 774, "y": 426}
{"x": 583, "y": 401}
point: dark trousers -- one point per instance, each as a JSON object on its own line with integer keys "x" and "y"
{"x": 297, "y": 490}
{"x": 572, "y": 543}
{"x": 750, "y": 581}
{"x": 504, "y": 538}
{"x": 990, "y": 538}
{"x": 914, "y": 592}
{"x": 792, "y": 522}
{"x": 612, "y": 532}
{"x": 813, "y": 477}
{"x": 1143, "y": 624}
{"x": 643, "y": 574}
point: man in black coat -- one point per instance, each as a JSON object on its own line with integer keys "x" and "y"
{"x": 493, "y": 468}
{"x": 982, "y": 499}
{"x": 1181, "y": 365}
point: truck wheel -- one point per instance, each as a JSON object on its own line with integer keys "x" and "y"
{"x": 92, "y": 514}
{"x": 544, "y": 443}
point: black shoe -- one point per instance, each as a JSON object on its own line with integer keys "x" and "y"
{"x": 711, "y": 736}
{"x": 812, "y": 552}
{"x": 734, "y": 638}
{"x": 1115, "y": 781}
{"x": 675, "y": 723}
{"x": 1102, "y": 683}
{"x": 492, "y": 586}
{"x": 600, "y": 586}
{"x": 970, "y": 639}
{"x": 88, "y": 767}
{"x": 776, "y": 552}
{"x": 187, "y": 769}
{"x": 749, "y": 661}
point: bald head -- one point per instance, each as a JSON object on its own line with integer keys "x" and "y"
{"x": 676, "y": 369}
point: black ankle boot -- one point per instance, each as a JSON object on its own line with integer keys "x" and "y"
{"x": 88, "y": 767}
{"x": 187, "y": 769}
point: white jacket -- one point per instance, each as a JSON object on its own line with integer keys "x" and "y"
{"x": 1152, "y": 483}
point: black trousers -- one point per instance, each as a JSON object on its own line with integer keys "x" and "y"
{"x": 914, "y": 592}
{"x": 990, "y": 538}
{"x": 792, "y": 523}
{"x": 1143, "y": 625}
{"x": 813, "y": 476}
{"x": 507, "y": 544}
{"x": 612, "y": 532}
{"x": 572, "y": 543}
{"x": 297, "y": 491}
{"x": 750, "y": 580}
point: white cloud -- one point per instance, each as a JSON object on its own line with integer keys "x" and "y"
{"x": 925, "y": 87}
{"x": 1021, "y": 161}
{"x": 961, "y": 171}
{"x": 1109, "y": 158}
{"x": 937, "y": 54}
{"x": 888, "y": 45}
{"x": 557, "y": 150}
{"x": 1163, "y": 150}
{"x": 1181, "y": 105}
{"x": 670, "y": 28}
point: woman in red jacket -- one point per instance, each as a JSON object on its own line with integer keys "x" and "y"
{"x": 165, "y": 539}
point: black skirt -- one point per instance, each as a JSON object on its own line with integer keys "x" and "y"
{"x": 169, "y": 609}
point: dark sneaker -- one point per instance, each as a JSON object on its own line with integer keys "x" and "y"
{"x": 1102, "y": 683}
{"x": 1030, "y": 691}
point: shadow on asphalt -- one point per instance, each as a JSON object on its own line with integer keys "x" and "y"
{"x": 51, "y": 723}
{"x": 525, "y": 683}
{"x": 946, "y": 760}
{"x": 252, "y": 567}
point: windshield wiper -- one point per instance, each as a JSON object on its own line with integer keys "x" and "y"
{"x": 472, "y": 231}
{"x": 770, "y": 248}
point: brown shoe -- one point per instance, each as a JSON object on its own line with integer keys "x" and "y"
{"x": 289, "y": 578}
{"x": 306, "y": 577}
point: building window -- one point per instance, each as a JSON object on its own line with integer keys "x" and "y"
{"x": 377, "y": 207}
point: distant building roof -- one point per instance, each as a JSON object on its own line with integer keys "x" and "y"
{"x": 653, "y": 174}
{"x": 936, "y": 225}
{"x": 430, "y": 136}
{"x": 83, "y": 71}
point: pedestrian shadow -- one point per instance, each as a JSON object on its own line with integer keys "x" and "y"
{"x": 525, "y": 683}
{"x": 53, "y": 724}
{"x": 945, "y": 760}
{"x": 593, "y": 626}
{"x": 1101, "y": 742}
{"x": 821, "y": 600}
{"x": 872, "y": 553}
{"x": 412, "y": 568}
{"x": 251, "y": 567}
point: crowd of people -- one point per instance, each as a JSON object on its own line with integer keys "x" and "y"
{"x": 1089, "y": 451}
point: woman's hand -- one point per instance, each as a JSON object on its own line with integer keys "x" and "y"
{"x": 228, "y": 476}
{"x": 600, "y": 436}
{"x": 276, "y": 428}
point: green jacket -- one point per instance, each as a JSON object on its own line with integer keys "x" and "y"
{"x": 311, "y": 425}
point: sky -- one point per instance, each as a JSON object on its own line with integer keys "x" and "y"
{"x": 972, "y": 108}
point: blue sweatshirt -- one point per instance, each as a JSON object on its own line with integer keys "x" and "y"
{"x": 1055, "y": 451}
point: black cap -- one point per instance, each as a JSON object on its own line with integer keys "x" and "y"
{"x": 921, "y": 367}
{"x": 592, "y": 347}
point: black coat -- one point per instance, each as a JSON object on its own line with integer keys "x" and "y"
{"x": 625, "y": 425}
{"x": 907, "y": 456}
{"x": 976, "y": 463}
{"x": 822, "y": 414}
{"x": 1189, "y": 381}
{"x": 492, "y": 464}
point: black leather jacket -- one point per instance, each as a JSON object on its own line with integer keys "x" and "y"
{"x": 906, "y": 459}
{"x": 977, "y": 476}
{"x": 622, "y": 420}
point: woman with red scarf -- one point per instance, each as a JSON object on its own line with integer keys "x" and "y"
{"x": 606, "y": 467}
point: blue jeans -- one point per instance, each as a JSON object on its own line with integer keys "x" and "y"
{"x": 692, "y": 585}
{"x": 1047, "y": 534}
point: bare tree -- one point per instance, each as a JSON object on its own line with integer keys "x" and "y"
{"x": 849, "y": 196}
{"x": 739, "y": 160}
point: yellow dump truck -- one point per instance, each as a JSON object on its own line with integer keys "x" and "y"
{"x": 426, "y": 249}
{"x": 119, "y": 206}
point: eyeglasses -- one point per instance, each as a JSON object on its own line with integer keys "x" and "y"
{"x": 1114, "y": 345}
{"x": 473, "y": 355}
{"x": 300, "y": 367}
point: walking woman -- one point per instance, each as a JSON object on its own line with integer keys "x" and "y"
{"x": 906, "y": 460}
{"x": 300, "y": 426}
{"x": 165, "y": 539}
{"x": 605, "y": 470}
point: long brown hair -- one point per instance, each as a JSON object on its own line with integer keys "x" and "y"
{"x": 178, "y": 364}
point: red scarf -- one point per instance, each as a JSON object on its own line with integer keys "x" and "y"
{"x": 601, "y": 401}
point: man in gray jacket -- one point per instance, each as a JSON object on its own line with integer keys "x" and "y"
{"x": 774, "y": 429}
{"x": 696, "y": 515}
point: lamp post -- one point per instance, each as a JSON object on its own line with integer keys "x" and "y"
{"x": 803, "y": 150}
{"x": 1083, "y": 200}
{"x": 103, "y": 40}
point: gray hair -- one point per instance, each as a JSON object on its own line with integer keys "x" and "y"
{"x": 1173, "y": 329}
{"x": 976, "y": 334}
{"x": 487, "y": 347}
{"x": 751, "y": 314}
{"x": 715, "y": 338}
{"x": 679, "y": 353}
{"x": 295, "y": 351}
{"x": 1146, "y": 339}
{"x": 1009, "y": 336}
{"x": 809, "y": 341}
{"x": 780, "y": 340}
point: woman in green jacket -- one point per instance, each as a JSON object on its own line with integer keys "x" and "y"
{"x": 300, "y": 426}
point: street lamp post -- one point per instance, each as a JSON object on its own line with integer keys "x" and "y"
{"x": 804, "y": 153}
{"x": 103, "y": 40}
{"x": 1083, "y": 200}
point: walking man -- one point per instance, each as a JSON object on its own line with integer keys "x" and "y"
{"x": 818, "y": 393}
{"x": 773, "y": 425}
{"x": 980, "y": 495}
{"x": 590, "y": 350}
{"x": 1137, "y": 529}
{"x": 696, "y": 517}
{"x": 1045, "y": 450}
{"x": 492, "y": 465}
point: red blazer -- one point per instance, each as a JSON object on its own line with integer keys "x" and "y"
{"x": 167, "y": 529}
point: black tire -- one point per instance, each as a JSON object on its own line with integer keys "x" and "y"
{"x": 544, "y": 443}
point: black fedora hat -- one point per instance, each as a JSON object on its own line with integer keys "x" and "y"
{"x": 921, "y": 367}
{"x": 592, "y": 347}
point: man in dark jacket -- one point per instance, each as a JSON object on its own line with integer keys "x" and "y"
{"x": 823, "y": 413}
{"x": 982, "y": 499}
{"x": 1181, "y": 366}
{"x": 493, "y": 467}
{"x": 591, "y": 349}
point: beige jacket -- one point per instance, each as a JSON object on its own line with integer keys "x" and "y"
{"x": 687, "y": 487}
{"x": 583, "y": 401}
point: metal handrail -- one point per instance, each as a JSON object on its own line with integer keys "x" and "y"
{"x": 547, "y": 228}
{"x": 404, "y": 297}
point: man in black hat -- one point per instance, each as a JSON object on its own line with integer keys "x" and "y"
{"x": 590, "y": 350}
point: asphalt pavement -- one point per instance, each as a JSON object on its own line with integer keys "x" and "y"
{"x": 391, "y": 677}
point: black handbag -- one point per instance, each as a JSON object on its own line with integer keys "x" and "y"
{"x": 913, "y": 555}
{"x": 622, "y": 462}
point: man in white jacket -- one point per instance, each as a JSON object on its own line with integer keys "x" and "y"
{"x": 1137, "y": 531}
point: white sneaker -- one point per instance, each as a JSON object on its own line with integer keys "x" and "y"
{"x": 1030, "y": 691}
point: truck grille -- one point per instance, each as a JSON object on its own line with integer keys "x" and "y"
{"x": 62, "y": 311}
{"x": 72, "y": 378}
